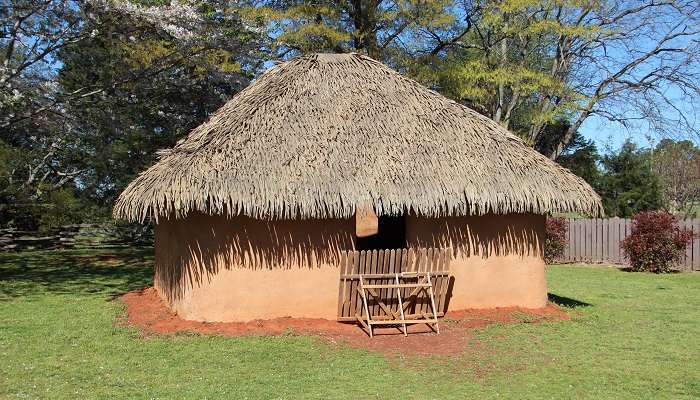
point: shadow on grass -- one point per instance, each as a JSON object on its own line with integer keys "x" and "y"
{"x": 105, "y": 271}
{"x": 566, "y": 301}
{"x": 673, "y": 271}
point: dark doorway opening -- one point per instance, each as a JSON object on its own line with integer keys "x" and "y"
{"x": 391, "y": 235}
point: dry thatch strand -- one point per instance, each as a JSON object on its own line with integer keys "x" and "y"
{"x": 322, "y": 133}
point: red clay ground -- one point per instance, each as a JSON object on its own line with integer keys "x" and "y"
{"x": 146, "y": 310}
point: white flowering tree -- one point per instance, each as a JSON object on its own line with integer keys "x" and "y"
{"x": 82, "y": 79}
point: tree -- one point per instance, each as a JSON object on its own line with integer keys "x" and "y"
{"x": 167, "y": 86}
{"x": 529, "y": 63}
{"x": 385, "y": 30}
{"x": 678, "y": 166}
{"x": 627, "y": 64}
{"x": 628, "y": 184}
{"x": 90, "y": 89}
{"x": 33, "y": 128}
{"x": 582, "y": 158}
{"x": 33, "y": 31}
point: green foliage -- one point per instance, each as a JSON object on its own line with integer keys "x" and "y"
{"x": 582, "y": 158}
{"x": 312, "y": 26}
{"x": 27, "y": 207}
{"x": 373, "y": 27}
{"x": 42, "y": 207}
{"x": 133, "y": 120}
{"x": 634, "y": 179}
{"x": 12, "y": 196}
{"x": 503, "y": 65}
{"x": 46, "y": 296}
{"x": 51, "y": 209}
{"x": 61, "y": 207}
{"x": 628, "y": 184}
{"x": 130, "y": 82}
{"x": 116, "y": 85}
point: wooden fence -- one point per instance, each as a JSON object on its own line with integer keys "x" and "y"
{"x": 78, "y": 236}
{"x": 598, "y": 241}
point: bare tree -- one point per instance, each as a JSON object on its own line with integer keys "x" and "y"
{"x": 678, "y": 166}
{"x": 632, "y": 62}
{"x": 637, "y": 63}
{"x": 32, "y": 33}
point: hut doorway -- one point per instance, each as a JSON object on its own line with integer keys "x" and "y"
{"x": 391, "y": 234}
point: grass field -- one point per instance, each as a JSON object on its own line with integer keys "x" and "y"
{"x": 632, "y": 335}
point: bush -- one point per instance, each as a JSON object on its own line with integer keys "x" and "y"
{"x": 656, "y": 243}
{"x": 555, "y": 239}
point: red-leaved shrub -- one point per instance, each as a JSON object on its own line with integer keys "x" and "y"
{"x": 656, "y": 243}
{"x": 555, "y": 239}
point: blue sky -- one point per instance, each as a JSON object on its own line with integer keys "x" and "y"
{"x": 611, "y": 135}
{"x": 677, "y": 106}
{"x": 608, "y": 135}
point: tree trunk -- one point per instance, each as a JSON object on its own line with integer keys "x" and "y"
{"x": 501, "y": 85}
{"x": 568, "y": 136}
{"x": 363, "y": 14}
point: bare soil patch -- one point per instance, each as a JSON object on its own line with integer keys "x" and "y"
{"x": 147, "y": 311}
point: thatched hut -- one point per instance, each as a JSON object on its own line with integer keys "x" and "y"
{"x": 252, "y": 209}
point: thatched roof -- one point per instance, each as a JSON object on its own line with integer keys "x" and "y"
{"x": 322, "y": 133}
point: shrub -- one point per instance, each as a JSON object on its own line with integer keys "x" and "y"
{"x": 555, "y": 239}
{"x": 656, "y": 243}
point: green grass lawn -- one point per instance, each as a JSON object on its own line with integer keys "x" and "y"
{"x": 633, "y": 335}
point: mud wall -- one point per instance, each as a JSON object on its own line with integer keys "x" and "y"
{"x": 210, "y": 268}
{"x": 497, "y": 259}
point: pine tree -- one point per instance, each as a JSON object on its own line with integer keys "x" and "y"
{"x": 629, "y": 185}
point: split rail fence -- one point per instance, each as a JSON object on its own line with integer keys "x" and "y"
{"x": 598, "y": 241}
{"x": 77, "y": 236}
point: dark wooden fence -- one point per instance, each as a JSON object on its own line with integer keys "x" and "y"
{"x": 598, "y": 241}
{"x": 77, "y": 236}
